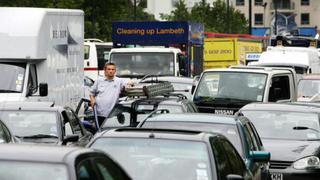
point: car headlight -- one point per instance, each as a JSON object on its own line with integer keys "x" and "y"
{"x": 311, "y": 162}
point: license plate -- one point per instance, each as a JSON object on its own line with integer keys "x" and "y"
{"x": 276, "y": 176}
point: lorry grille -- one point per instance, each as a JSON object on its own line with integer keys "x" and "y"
{"x": 279, "y": 164}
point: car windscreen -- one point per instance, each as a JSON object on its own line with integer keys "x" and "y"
{"x": 144, "y": 158}
{"x": 230, "y": 131}
{"x": 15, "y": 170}
{"x": 308, "y": 87}
{"x": 143, "y": 63}
{"x": 229, "y": 86}
{"x": 12, "y": 77}
{"x": 285, "y": 125}
{"x": 30, "y": 123}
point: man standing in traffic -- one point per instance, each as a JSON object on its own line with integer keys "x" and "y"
{"x": 105, "y": 92}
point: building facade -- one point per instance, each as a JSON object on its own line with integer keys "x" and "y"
{"x": 293, "y": 16}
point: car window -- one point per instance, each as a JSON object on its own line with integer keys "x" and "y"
{"x": 248, "y": 138}
{"x": 7, "y": 132}
{"x": 223, "y": 165}
{"x": 85, "y": 170}
{"x": 108, "y": 170}
{"x": 3, "y": 136}
{"x": 256, "y": 140}
{"x": 238, "y": 166}
{"x": 280, "y": 88}
{"x": 74, "y": 122}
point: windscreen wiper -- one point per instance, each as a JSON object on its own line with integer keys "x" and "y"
{"x": 38, "y": 136}
{"x": 9, "y": 91}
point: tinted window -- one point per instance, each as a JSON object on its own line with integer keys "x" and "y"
{"x": 109, "y": 170}
{"x": 85, "y": 170}
{"x": 222, "y": 163}
{"x": 3, "y": 135}
{"x": 235, "y": 160}
{"x": 74, "y": 122}
{"x": 280, "y": 89}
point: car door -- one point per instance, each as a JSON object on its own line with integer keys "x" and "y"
{"x": 253, "y": 145}
{"x": 77, "y": 129}
{"x": 228, "y": 161}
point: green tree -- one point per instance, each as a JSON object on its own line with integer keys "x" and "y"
{"x": 99, "y": 14}
{"x": 179, "y": 14}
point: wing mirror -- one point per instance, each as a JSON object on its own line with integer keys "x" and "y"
{"x": 260, "y": 156}
{"x": 43, "y": 89}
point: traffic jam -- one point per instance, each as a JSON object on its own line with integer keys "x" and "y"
{"x": 180, "y": 104}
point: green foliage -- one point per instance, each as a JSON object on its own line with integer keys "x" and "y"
{"x": 213, "y": 17}
{"x": 99, "y": 14}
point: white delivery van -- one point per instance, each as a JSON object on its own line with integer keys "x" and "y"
{"x": 138, "y": 62}
{"x": 96, "y": 54}
{"x": 303, "y": 59}
{"x": 41, "y": 57}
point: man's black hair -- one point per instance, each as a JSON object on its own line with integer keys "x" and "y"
{"x": 109, "y": 63}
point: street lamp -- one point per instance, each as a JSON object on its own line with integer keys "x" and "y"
{"x": 135, "y": 3}
{"x": 275, "y": 17}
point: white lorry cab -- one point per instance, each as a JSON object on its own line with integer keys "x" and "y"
{"x": 138, "y": 62}
{"x": 96, "y": 54}
{"x": 41, "y": 57}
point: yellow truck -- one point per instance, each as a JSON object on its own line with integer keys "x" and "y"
{"x": 224, "y": 52}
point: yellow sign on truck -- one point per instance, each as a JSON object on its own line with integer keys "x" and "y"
{"x": 224, "y": 52}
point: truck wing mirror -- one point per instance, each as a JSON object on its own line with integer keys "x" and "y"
{"x": 43, "y": 89}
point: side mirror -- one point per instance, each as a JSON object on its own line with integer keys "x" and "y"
{"x": 70, "y": 138}
{"x": 260, "y": 156}
{"x": 43, "y": 89}
{"x": 234, "y": 177}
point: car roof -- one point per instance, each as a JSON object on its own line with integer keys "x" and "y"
{"x": 39, "y": 153}
{"x": 194, "y": 117}
{"x": 144, "y": 49}
{"x": 28, "y": 105}
{"x": 156, "y": 133}
{"x": 285, "y": 107}
{"x": 172, "y": 79}
{"x": 249, "y": 69}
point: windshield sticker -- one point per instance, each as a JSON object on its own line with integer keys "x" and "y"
{"x": 18, "y": 87}
{"x": 259, "y": 98}
{"x": 231, "y": 131}
{"x": 202, "y": 165}
{"x": 20, "y": 77}
{"x": 202, "y": 174}
{"x": 311, "y": 136}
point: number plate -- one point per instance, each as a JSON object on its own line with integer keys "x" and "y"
{"x": 276, "y": 176}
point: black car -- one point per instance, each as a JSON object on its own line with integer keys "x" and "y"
{"x": 159, "y": 154}
{"x": 291, "y": 132}
{"x": 37, "y": 162}
{"x": 238, "y": 129}
{"x": 43, "y": 122}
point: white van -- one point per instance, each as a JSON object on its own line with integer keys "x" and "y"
{"x": 138, "y": 62}
{"x": 41, "y": 56}
{"x": 96, "y": 54}
{"x": 303, "y": 59}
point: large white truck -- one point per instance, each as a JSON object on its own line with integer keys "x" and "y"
{"x": 41, "y": 56}
{"x": 139, "y": 62}
{"x": 96, "y": 54}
